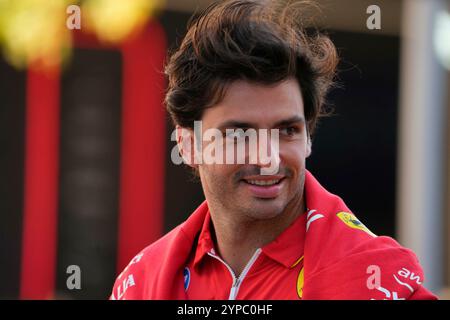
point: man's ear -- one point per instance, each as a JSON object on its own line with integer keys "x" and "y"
{"x": 186, "y": 147}
{"x": 308, "y": 146}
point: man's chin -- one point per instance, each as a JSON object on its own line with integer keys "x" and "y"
{"x": 264, "y": 208}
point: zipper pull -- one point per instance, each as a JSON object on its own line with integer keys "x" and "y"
{"x": 233, "y": 291}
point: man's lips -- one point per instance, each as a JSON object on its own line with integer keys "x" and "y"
{"x": 263, "y": 178}
{"x": 264, "y": 186}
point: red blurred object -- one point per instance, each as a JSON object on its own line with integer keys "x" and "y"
{"x": 143, "y": 144}
{"x": 41, "y": 185}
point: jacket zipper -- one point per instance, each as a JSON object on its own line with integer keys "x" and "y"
{"x": 237, "y": 280}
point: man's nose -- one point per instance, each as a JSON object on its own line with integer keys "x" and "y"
{"x": 269, "y": 152}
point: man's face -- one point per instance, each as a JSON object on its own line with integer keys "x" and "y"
{"x": 237, "y": 188}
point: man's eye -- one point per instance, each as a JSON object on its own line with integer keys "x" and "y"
{"x": 235, "y": 134}
{"x": 289, "y": 131}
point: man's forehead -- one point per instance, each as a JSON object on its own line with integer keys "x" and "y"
{"x": 253, "y": 123}
{"x": 247, "y": 102}
{"x": 288, "y": 89}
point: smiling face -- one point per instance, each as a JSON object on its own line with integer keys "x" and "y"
{"x": 239, "y": 189}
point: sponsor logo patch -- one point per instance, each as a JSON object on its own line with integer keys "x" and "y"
{"x": 187, "y": 278}
{"x": 351, "y": 221}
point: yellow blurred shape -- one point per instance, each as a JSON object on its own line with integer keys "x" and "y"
{"x": 114, "y": 20}
{"x": 33, "y": 31}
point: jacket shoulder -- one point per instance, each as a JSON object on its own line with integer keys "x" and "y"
{"x": 351, "y": 262}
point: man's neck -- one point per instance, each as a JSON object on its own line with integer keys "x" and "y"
{"x": 237, "y": 240}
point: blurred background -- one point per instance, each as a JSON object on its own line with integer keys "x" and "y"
{"x": 85, "y": 171}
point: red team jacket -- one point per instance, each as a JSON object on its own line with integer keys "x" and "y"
{"x": 327, "y": 253}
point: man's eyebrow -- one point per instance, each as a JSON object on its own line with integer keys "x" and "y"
{"x": 235, "y": 124}
{"x": 241, "y": 124}
{"x": 292, "y": 120}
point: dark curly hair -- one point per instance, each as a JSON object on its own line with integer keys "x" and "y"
{"x": 261, "y": 41}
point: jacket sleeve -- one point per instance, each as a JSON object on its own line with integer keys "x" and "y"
{"x": 379, "y": 269}
{"x": 422, "y": 294}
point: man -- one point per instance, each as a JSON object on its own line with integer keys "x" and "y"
{"x": 280, "y": 235}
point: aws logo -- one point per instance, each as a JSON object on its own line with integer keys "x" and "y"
{"x": 351, "y": 221}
